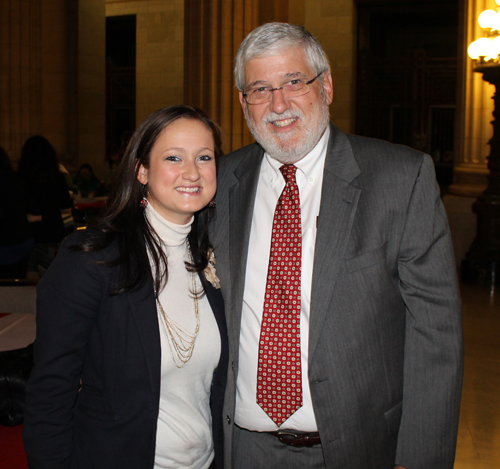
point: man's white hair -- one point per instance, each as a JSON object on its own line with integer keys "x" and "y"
{"x": 273, "y": 38}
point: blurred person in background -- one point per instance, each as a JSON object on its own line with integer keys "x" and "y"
{"x": 87, "y": 184}
{"x": 46, "y": 186}
{"x": 113, "y": 157}
{"x": 16, "y": 235}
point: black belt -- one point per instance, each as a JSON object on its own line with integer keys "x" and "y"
{"x": 296, "y": 438}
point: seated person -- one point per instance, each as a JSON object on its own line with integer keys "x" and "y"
{"x": 86, "y": 182}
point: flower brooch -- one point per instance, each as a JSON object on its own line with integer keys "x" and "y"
{"x": 209, "y": 271}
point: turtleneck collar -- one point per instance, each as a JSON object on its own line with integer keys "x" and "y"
{"x": 170, "y": 233}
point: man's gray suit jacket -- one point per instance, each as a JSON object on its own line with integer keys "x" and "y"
{"x": 385, "y": 340}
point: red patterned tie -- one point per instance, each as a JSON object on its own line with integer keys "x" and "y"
{"x": 279, "y": 379}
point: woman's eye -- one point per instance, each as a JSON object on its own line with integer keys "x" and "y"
{"x": 205, "y": 158}
{"x": 172, "y": 158}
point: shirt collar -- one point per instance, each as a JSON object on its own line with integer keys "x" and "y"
{"x": 309, "y": 166}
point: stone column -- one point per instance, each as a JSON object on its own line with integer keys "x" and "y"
{"x": 92, "y": 84}
{"x": 20, "y": 78}
{"x": 59, "y": 78}
{"x": 213, "y": 31}
{"x": 474, "y": 109}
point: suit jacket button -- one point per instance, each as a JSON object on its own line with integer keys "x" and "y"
{"x": 228, "y": 420}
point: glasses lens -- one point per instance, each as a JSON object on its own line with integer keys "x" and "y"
{"x": 294, "y": 86}
{"x": 260, "y": 95}
{"x": 290, "y": 89}
{"x": 295, "y": 93}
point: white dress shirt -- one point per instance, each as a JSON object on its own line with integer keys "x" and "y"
{"x": 309, "y": 178}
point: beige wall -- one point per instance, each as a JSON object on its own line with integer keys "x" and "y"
{"x": 332, "y": 22}
{"x": 160, "y": 51}
{"x": 92, "y": 84}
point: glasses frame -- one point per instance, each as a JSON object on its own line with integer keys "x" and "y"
{"x": 306, "y": 86}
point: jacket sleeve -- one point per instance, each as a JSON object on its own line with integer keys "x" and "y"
{"x": 433, "y": 360}
{"x": 68, "y": 300}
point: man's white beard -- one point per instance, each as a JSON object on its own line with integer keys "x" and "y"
{"x": 278, "y": 145}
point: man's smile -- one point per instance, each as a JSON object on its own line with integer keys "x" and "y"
{"x": 284, "y": 122}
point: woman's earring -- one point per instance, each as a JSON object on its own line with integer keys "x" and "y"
{"x": 212, "y": 203}
{"x": 144, "y": 201}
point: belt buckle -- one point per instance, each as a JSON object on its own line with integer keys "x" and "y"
{"x": 289, "y": 437}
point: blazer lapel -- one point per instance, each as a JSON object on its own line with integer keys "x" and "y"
{"x": 216, "y": 301}
{"x": 339, "y": 200}
{"x": 214, "y": 297}
{"x": 143, "y": 307}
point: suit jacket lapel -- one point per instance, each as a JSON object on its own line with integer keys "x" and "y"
{"x": 241, "y": 202}
{"x": 339, "y": 200}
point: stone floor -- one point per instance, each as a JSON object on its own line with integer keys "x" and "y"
{"x": 479, "y": 431}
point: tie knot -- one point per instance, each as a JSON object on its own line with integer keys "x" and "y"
{"x": 288, "y": 171}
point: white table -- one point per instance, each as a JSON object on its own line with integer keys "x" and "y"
{"x": 17, "y": 327}
{"x": 17, "y": 330}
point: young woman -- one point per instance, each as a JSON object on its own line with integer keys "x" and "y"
{"x": 131, "y": 348}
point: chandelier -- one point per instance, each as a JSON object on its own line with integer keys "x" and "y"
{"x": 487, "y": 49}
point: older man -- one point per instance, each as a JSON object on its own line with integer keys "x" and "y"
{"x": 337, "y": 269}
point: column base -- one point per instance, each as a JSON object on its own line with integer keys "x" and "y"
{"x": 480, "y": 272}
{"x": 470, "y": 180}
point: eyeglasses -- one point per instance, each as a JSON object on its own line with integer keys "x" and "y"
{"x": 290, "y": 89}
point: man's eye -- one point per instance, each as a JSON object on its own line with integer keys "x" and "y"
{"x": 261, "y": 90}
{"x": 296, "y": 84}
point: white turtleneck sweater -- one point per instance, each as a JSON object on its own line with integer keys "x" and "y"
{"x": 184, "y": 434}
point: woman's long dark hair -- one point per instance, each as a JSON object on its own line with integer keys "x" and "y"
{"x": 125, "y": 222}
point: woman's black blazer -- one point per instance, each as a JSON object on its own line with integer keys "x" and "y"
{"x": 111, "y": 345}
